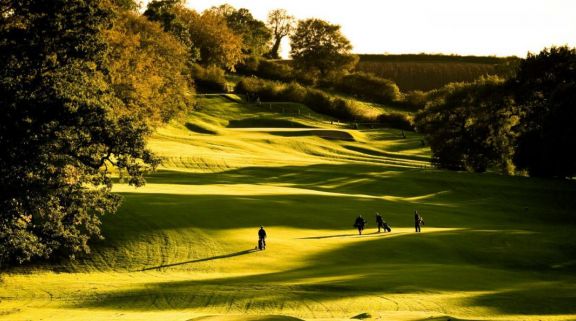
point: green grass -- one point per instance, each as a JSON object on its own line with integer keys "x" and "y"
{"x": 182, "y": 247}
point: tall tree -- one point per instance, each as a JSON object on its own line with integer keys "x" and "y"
{"x": 210, "y": 35}
{"x": 210, "y": 39}
{"x": 545, "y": 90}
{"x": 147, "y": 69}
{"x": 472, "y": 127}
{"x": 319, "y": 45}
{"x": 255, "y": 35}
{"x": 164, "y": 12}
{"x": 58, "y": 133}
{"x": 281, "y": 24}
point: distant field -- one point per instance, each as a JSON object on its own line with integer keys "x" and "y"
{"x": 183, "y": 247}
{"x": 426, "y": 72}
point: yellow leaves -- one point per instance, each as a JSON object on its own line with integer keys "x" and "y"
{"x": 146, "y": 69}
{"x": 71, "y": 175}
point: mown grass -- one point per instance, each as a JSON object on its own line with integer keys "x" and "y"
{"x": 182, "y": 247}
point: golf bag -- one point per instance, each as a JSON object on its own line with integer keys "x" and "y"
{"x": 387, "y": 227}
{"x": 261, "y": 244}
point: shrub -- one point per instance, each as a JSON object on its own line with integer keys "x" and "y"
{"x": 210, "y": 79}
{"x": 249, "y": 67}
{"x": 263, "y": 89}
{"x": 369, "y": 87}
{"x": 319, "y": 101}
{"x": 266, "y": 69}
{"x": 416, "y": 100}
{"x": 348, "y": 109}
{"x": 294, "y": 92}
{"x": 396, "y": 120}
{"x": 309, "y": 78}
{"x": 315, "y": 99}
{"x": 275, "y": 71}
{"x": 248, "y": 86}
{"x": 271, "y": 90}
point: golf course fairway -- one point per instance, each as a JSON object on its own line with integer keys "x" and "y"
{"x": 182, "y": 247}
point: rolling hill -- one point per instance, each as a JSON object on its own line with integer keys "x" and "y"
{"x": 183, "y": 246}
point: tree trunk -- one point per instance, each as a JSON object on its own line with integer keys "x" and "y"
{"x": 273, "y": 53}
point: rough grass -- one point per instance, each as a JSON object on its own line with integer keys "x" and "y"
{"x": 427, "y": 72}
{"x": 182, "y": 247}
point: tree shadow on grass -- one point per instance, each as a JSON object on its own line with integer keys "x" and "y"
{"x": 532, "y": 299}
{"x": 198, "y": 129}
{"x": 553, "y": 199}
{"x": 201, "y": 260}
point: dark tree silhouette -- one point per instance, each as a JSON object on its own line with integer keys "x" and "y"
{"x": 545, "y": 89}
{"x": 58, "y": 133}
{"x": 471, "y": 127}
{"x": 319, "y": 45}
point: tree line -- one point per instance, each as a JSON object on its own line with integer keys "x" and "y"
{"x": 523, "y": 124}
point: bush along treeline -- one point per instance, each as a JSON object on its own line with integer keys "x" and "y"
{"x": 359, "y": 85}
{"x": 523, "y": 124}
{"x": 315, "y": 99}
{"x": 209, "y": 79}
{"x": 319, "y": 101}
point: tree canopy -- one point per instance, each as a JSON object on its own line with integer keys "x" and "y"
{"x": 319, "y": 45}
{"x": 147, "y": 69}
{"x": 471, "y": 127}
{"x": 59, "y": 134}
{"x": 545, "y": 90}
{"x": 255, "y": 35}
{"x": 525, "y": 123}
{"x": 208, "y": 36}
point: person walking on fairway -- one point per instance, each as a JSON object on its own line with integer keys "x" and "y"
{"x": 261, "y": 238}
{"x": 418, "y": 221}
{"x": 379, "y": 221}
{"x": 360, "y": 223}
{"x": 382, "y": 224}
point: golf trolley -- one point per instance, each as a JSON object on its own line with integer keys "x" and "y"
{"x": 261, "y": 244}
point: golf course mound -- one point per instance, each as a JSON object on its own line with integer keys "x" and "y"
{"x": 246, "y": 318}
{"x": 362, "y": 316}
{"x": 265, "y": 122}
{"x": 199, "y": 129}
{"x": 322, "y": 133}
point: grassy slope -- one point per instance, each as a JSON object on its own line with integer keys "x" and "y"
{"x": 181, "y": 248}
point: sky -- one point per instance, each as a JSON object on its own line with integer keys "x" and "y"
{"x": 464, "y": 27}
